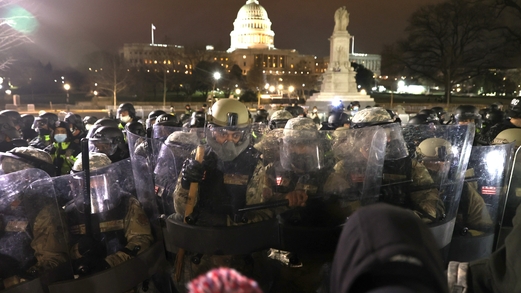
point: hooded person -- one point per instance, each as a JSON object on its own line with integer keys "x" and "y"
{"x": 384, "y": 248}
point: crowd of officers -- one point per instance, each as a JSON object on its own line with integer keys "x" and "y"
{"x": 237, "y": 160}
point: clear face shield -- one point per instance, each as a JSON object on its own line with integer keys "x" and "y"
{"x": 228, "y": 142}
{"x": 301, "y": 155}
{"x": 104, "y": 146}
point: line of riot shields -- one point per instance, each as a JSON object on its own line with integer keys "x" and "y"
{"x": 140, "y": 220}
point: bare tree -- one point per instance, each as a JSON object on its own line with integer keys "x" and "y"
{"x": 13, "y": 31}
{"x": 108, "y": 72}
{"x": 450, "y": 42}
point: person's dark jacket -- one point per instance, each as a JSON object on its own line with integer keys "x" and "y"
{"x": 384, "y": 248}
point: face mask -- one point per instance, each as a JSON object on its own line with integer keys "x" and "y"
{"x": 124, "y": 119}
{"x": 355, "y": 108}
{"x": 60, "y": 137}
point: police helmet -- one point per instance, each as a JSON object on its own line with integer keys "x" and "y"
{"x": 440, "y": 112}
{"x": 295, "y": 110}
{"x": 371, "y": 116}
{"x": 514, "y": 110}
{"x": 7, "y": 128}
{"x": 152, "y": 116}
{"x": 88, "y": 122}
{"x": 494, "y": 117}
{"x": 197, "y": 120}
{"x": 467, "y": 113}
{"x": 230, "y": 118}
{"x": 45, "y": 119}
{"x": 421, "y": 119}
{"x": 107, "y": 140}
{"x": 135, "y": 128}
{"x": 337, "y": 119}
{"x": 107, "y": 122}
{"x": 126, "y": 107}
{"x": 26, "y": 120}
{"x": 167, "y": 120}
{"x": 279, "y": 119}
{"x": 13, "y": 115}
{"x": 21, "y": 158}
{"x": 75, "y": 120}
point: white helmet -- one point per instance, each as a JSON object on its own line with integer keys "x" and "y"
{"x": 434, "y": 149}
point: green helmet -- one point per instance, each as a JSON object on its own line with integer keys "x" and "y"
{"x": 302, "y": 148}
{"x": 21, "y": 158}
{"x": 371, "y": 116}
{"x": 96, "y": 161}
{"x": 508, "y": 136}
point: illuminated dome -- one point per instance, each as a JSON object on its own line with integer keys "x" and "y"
{"x": 252, "y": 28}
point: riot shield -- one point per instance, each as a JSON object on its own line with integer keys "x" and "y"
{"x": 142, "y": 161}
{"x": 33, "y": 248}
{"x": 512, "y": 201}
{"x": 113, "y": 249}
{"x": 479, "y": 208}
{"x": 161, "y": 132}
{"x": 438, "y": 161}
{"x": 347, "y": 176}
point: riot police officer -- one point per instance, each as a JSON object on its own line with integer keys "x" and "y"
{"x": 110, "y": 141}
{"x": 151, "y": 120}
{"x": 9, "y": 135}
{"x": 513, "y": 121}
{"x": 44, "y": 126}
{"x": 76, "y": 127}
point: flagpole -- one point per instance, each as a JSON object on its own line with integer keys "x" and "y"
{"x": 152, "y": 29}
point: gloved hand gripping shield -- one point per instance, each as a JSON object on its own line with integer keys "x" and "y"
{"x": 437, "y": 169}
{"x": 483, "y": 193}
{"x": 33, "y": 248}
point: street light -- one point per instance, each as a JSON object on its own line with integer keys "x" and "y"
{"x": 216, "y": 76}
{"x": 67, "y": 87}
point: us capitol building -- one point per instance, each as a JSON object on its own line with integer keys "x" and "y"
{"x": 252, "y": 47}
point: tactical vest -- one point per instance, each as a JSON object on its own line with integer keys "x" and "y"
{"x": 60, "y": 160}
{"x": 224, "y": 190}
{"x": 111, "y": 225}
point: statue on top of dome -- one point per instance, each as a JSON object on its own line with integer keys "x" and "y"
{"x": 341, "y": 19}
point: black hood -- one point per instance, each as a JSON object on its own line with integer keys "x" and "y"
{"x": 385, "y": 246}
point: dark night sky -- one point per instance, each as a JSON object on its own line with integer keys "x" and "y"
{"x": 69, "y": 29}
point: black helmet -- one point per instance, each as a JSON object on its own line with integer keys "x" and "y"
{"x": 467, "y": 113}
{"x": 135, "y": 128}
{"x": 88, "y": 121}
{"x": 514, "y": 110}
{"x": 338, "y": 119}
{"x": 152, "y": 116}
{"x": 7, "y": 128}
{"x": 184, "y": 118}
{"x": 107, "y": 122}
{"x": 440, "y": 112}
{"x": 126, "y": 107}
{"x": 421, "y": 119}
{"x": 45, "y": 119}
{"x": 26, "y": 120}
{"x": 106, "y": 139}
{"x": 494, "y": 117}
{"x": 167, "y": 120}
{"x": 295, "y": 110}
{"x": 429, "y": 112}
{"x": 13, "y": 115}
{"x": 262, "y": 116}
{"x": 483, "y": 112}
{"x": 197, "y": 120}
{"x": 75, "y": 120}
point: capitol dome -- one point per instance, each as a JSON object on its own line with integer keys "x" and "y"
{"x": 252, "y": 28}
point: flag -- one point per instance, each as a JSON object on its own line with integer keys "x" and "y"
{"x": 153, "y": 27}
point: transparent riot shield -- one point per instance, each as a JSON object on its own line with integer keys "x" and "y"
{"x": 33, "y": 248}
{"x": 479, "y": 207}
{"x": 142, "y": 161}
{"x": 162, "y": 132}
{"x": 512, "y": 201}
{"x": 438, "y": 159}
{"x": 113, "y": 248}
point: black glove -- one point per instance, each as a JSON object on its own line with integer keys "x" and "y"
{"x": 91, "y": 248}
{"x": 87, "y": 265}
{"x": 192, "y": 171}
